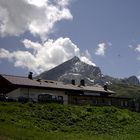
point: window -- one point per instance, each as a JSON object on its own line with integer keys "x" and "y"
{"x": 125, "y": 103}
{"x": 95, "y": 102}
{"x": 103, "y": 101}
{"x": 109, "y": 102}
{"x": 121, "y": 103}
{"x": 54, "y": 97}
{"x": 60, "y": 98}
{"x": 44, "y": 97}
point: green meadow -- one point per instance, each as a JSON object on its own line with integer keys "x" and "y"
{"x": 66, "y": 122}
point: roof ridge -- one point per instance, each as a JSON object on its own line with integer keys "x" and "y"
{"x": 34, "y": 78}
{"x": 47, "y": 80}
{"x": 13, "y": 75}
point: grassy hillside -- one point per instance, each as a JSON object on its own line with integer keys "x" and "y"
{"x": 124, "y": 90}
{"x": 59, "y": 122}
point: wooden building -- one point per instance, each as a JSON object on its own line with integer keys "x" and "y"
{"x": 39, "y": 90}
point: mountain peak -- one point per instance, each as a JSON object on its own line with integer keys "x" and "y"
{"x": 72, "y": 69}
{"x": 77, "y": 70}
{"x": 132, "y": 80}
{"x": 75, "y": 58}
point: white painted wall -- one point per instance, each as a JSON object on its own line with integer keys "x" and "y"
{"x": 14, "y": 94}
{"x": 33, "y": 93}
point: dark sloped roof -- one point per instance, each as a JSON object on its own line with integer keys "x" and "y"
{"x": 25, "y": 81}
{"x": 96, "y": 88}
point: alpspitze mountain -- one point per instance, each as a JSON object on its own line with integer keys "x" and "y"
{"x": 73, "y": 69}
{"x": 77, "y": 70}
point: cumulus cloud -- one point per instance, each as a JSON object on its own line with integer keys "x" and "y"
{"x": 36, "y": 16}
{"x": 138, "y": 48}
{"x": 138, "y": 77}
{"x": 132, "y": 44}
{"x": 87, "y": 60}
{"x": 102, "y": 47}
{"x": 44, "y": 56}
{"x": 86, "y": 57}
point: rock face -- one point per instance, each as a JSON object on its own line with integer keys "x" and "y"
{"x": 73, "y": 69}
{"x": 132, "y": 80}
{"x": 77, "y": 70}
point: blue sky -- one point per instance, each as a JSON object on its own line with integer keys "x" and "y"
{"x": 105, "y": 33}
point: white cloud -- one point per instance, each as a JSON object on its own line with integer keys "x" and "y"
{"x": 39, "y": 18}
{"x": 86, "y": 57}
{"x": 102, "y": 47}
{"x": 36, "y": 16}
{"x": 87, "y": 54}
{"x": 44, "y": 56}
{"x": 138, "y": 75}
{"x": 38, "y": 3}
{"x": 132, "y": 44}
{"x": 138, "y": 48}
{"x": 87, "y": 60}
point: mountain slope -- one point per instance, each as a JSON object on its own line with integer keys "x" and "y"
{"x": 77, "y": 70}
{"x": 124, "y": 90}
{"x": 73, "y": 69}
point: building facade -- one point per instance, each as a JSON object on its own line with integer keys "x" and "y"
{"x": 39, "y": 90}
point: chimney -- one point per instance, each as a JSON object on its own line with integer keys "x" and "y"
{"x": 30, "y": 75}
{"x": 73, "y": 82}
{"x": 105, "y": 87}
{"x": 82, "y": 82}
